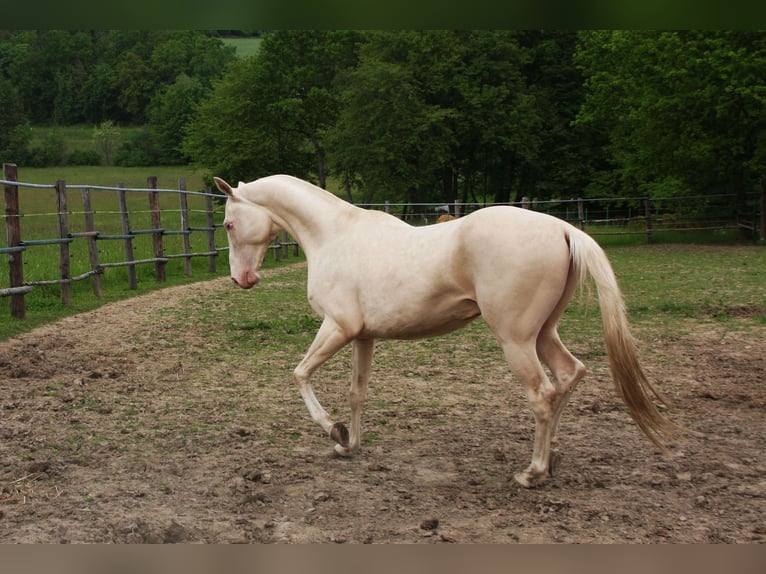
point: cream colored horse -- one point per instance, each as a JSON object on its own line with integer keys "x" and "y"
{"x": 372, "y": 276}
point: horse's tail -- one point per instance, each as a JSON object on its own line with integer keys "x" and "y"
{"x": 589, "y": 260}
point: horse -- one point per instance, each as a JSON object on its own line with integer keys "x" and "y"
{"x": 372, "y": 275}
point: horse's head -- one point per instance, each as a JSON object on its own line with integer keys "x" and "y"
{"x": 250, "y": 229}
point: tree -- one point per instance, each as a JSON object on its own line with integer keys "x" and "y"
{"x": 425, "y": 112}
{"x": 378, "y": 135}
{"x": 99, "y": 94}
{"x": 49, "y": 69}
{"x": 74, "y": 76}
{"x": 685, "y": 112}
{"x": 567, "y": 155}
{"x": 106, "y": 135}
{"x": 270, "y": 113}
{"x": 169, "y": 113}
{"x": 14, "y": 127}
{"x": 237, "y": 135}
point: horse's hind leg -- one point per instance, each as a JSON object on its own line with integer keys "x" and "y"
{"x": 566, "y": 369}
{"x": 543, "y": 398}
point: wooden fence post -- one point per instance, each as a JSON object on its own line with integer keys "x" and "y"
{"x": 457, "y": 208}
{"x": 63, "y": 221}
{"x": 581, "y": 213}
{"x": 13, "y": 230}
{"x": 648, "y": 218}
{"x": 285, "y": 246}
{"x": 127, "y": 236}
{"x": 210, "y": 215}
{"x": 154, "y": 208}
{"x": 92, "y": 235}
{"x": 185, "y": 231}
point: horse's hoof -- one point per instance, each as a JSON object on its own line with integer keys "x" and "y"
{"x": 529, "y": 479}
{"x": 339, "y": 433}
{"x": 342, "y": 451}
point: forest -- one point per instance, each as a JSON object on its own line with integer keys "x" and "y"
{"x": 403, "y": 115}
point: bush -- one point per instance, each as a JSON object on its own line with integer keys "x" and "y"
{"x": 84, "y": 157}
{"x": 137, "y": 151}
{"x": 49, "y": 154}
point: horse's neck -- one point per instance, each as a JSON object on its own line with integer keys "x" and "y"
{"x": 306, "y": 212}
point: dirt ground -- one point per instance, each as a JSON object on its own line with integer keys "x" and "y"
{"x": 116, "y": 426}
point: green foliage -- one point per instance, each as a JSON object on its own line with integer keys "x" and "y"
{"x": 437, "y": 116}
{"x": 169, "y": 112}
{"x": 51, "y": 151}
{"x": 427, "y": 113}
{"x": 136, "y": 150}
{"x": 685, "y": 112}
{"x": 14, "y": 127}
{"x": 56, "y": 146}
{"x": 67, "y": 77}
{"x": 107, "y": 136}
{"x": 84, "y": 157}
{"x": 402, "y": 115}
{"x": 270, "y": 113}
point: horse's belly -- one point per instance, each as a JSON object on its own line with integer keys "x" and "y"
{"x": 408, "y": 321}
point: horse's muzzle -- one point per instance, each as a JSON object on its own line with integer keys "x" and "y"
{"x": 248, "y": 281}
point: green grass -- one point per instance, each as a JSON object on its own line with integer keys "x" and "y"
{"x": 43, "y": 304}
{"x": 167, "y": 176}
{"x": 75, "y": 137}
{"x": 245, "y": 47}
{"x": 665, "y": 279}
{"x": 41, "y": 262}
{"x": 665, "y": 285}
{"x": 713, "y": 281}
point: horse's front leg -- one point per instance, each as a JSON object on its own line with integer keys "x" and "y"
{"x": 328, "y": 340}
{"x": 360, "y": 375}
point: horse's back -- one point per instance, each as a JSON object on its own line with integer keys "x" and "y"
{"x": 515, "y": 234}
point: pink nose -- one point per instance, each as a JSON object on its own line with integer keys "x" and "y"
{"x": 248, "y": 281}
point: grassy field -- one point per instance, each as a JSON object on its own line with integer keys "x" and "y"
{"x": 245, "y": 47}
{"x": 167, "y": 176}
{"x": 668, "y": 278}
{"x": 669, "y": 290}
{"x": 39, "y": 221}
{"x": 75, "y": 137}
{"x": 662, "y": 283}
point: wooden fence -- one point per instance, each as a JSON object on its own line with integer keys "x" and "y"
{"x": 631, "y": 216}
{"x": 17, "y": 247}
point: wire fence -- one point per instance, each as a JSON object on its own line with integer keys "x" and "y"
{"x": 119, "y": 227}
{"x": 621, "y": 216}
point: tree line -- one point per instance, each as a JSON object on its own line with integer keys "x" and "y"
{"x": 122, "y": 77}
{"x": 489, "y": 115}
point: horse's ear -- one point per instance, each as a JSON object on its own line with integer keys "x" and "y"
{"x": 223, "y": 186}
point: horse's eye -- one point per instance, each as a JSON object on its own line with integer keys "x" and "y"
{"x": 228, "y": 226}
